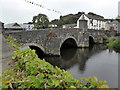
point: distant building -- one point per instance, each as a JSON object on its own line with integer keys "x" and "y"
{"x": 27, "y": 26}
{"x": 1, "y": 26}
{"x": 52, "y": 26}
{"x": 118, "y": 27}
{"x": 13, "y": 26}
{"x": 94, "y": 21}
{"x": 114, "y": 25}
{"x": 118, "y": 19}
{"x": 69, "y": 26}
{"x": 108, "y": 24}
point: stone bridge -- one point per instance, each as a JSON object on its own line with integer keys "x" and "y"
{"x": 50, "y": 41}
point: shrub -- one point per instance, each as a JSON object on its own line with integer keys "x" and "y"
{"x": 115, "y": 44}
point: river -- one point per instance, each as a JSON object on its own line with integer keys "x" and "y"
{"x": 84, "y": 62}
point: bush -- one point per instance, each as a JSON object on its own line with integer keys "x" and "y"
{"x": 115, "y": 44}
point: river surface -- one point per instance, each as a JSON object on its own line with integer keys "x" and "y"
{"x": 84, "y": 62}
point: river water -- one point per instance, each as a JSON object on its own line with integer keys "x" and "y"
{"x": 84, "y": 62}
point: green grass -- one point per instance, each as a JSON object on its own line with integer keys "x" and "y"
{"x": 114, "y": 43}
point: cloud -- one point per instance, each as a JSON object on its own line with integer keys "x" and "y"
{"x": 21, "y": 11}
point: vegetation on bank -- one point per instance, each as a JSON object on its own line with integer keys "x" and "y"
{"x": 12, "y": 42}
{"x": 29, "y": 71}
{"x": 114, "y": 43}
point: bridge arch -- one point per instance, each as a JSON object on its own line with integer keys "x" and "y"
{"x": 91, "y": 40}
{"x": 40, "y": 51}
{"x": 68, "y": 42}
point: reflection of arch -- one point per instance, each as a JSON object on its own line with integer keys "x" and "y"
{"x": 68, "y": 53}
{"x": 68, "y": 42}
{"x": 39, "y": 49}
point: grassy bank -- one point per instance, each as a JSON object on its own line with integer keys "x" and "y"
{"x": 114, "y": 43}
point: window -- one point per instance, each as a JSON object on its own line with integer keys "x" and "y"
{"x": 91, "y": 22}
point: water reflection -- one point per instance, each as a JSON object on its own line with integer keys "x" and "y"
{"x": 84, "y": 62}
{"x": 70, "y": 56}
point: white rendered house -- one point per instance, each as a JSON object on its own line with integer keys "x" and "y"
{"x": 93, "y": 21}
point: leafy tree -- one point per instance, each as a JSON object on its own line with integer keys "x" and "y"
{"x": 40, "y": 21}
{"x": 67, "y": 19}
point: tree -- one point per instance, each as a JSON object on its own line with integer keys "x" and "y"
{"x": 67, "y": 19}
{"x": 40, "y": 21}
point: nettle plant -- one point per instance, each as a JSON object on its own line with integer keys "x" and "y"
{"x": 31, "y": 72}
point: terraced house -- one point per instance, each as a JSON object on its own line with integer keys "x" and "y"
{"x": 94, "y": 21}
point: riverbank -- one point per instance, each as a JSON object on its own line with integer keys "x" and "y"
{"x": 114, "y": 43}
{"x": 6, "y": 52}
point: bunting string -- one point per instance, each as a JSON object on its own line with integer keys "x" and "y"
{"x": 42, "y": 6}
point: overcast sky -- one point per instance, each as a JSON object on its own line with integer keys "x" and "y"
{"x": 20, "y": 11}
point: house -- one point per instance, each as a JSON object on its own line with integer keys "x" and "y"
{"x": 27, "y": 26}
{"x": 107, "y": 23}
{"x": 69, "y": 26}
{"x": 13, "y": 26}
{"x": 118, "y": 19}
{"x": 113, "y": 25}
{"x": 94, "y": 21}
{"x": 118, "y": 27}
{"x": 1, "y": 26}
{"x": 52, "y": 26}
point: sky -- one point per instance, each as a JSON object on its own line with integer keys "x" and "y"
{"x": 22, "y": 12}
{"x": 119, "y": 9}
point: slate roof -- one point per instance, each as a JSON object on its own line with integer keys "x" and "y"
{"x": 13, "y": 26}
{"x": 95, "y": 16}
